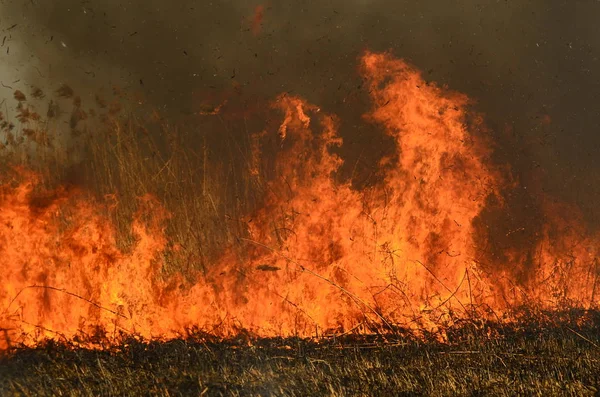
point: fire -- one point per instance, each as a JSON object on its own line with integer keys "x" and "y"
{"x": 257, "y": 19}
{"x": 319, "y": 255}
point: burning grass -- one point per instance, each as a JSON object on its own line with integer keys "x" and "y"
{"x": 118, "y": 226}
{"x": 546, "y": 354}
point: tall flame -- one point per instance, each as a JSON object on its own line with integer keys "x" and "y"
{"x": 319, "y": 255}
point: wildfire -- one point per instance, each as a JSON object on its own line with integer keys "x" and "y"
{"x": 320, "y": 256}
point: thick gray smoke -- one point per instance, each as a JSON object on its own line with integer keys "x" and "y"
{"x": 532, "y": 66}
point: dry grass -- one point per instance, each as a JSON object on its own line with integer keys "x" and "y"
{"x": 526, "y": 358}
{"x": 107, "y": 151}
{"x": 119, "y": 154}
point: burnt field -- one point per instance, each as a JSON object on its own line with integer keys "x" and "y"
{"x": 555, "y": 353}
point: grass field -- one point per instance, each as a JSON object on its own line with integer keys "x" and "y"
{"x": 530, "y": 357}
{"x": 210, "y": 190}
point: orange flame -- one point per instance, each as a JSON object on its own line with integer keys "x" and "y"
{"x": 257, "y": 19}
{"x": 320, "y": 255}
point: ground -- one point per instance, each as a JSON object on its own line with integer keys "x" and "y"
{"x": 529, "y": 357}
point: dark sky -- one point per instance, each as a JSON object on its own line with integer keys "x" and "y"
{"x": 532, "y": 66}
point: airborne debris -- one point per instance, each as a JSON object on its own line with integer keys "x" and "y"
{"x": 37, "y": 93}
{"x": 267, "y": 268}
{"x": 19, "y": 96}
{"x": 65, "y": 91}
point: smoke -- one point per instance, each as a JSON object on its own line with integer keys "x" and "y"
{"x": 531, "y": 66}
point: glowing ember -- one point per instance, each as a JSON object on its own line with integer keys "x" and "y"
{"x": 320, "y": 255}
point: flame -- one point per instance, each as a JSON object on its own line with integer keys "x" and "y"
{"x": 319, "y": 255}
{"x": 257, "y": 19}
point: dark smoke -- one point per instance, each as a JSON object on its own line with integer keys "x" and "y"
{"x": 532, "y": 67}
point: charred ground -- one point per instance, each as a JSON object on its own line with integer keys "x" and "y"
{"x": 540, "y": 354}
